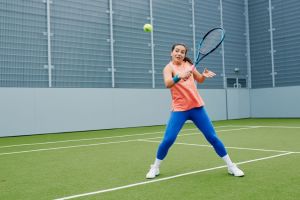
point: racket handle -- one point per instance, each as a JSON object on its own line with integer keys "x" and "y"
{"x": 193, "y": 67}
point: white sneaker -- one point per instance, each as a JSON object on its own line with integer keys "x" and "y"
{"x": 235, "y": 171}
{"x": 153, "y": 172}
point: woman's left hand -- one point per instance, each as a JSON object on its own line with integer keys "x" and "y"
{"x": 208, "y": 74}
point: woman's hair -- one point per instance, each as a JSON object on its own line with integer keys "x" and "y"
{"x": 186, "y": 50}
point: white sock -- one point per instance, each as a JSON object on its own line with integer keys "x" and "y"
{"x": 227, "y": 160}
{"x": 157, "y": 163}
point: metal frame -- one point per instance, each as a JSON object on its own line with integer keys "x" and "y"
{"x": 223, "y": 62}
{"x": 248, "y": 54}
{"x": 152, "y": 48}
{"x": 49, "y": 34}
{"x": 273, "y": 73}
{"x": 111, "y": 45}
{"x": 194, "y": 29}
{"x": 222, "y": 51}
{"x": 152, "y": 71}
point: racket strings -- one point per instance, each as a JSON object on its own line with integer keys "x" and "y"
{"x": 211, "y": 41}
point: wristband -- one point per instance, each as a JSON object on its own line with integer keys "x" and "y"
{"x": 176, "y": 78}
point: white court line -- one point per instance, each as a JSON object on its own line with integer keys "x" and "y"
{"x": 263, "y": 126}
{"x": 67, "y": 147}
{"x": 95, "y": 144}
{"x": 87, "y": 139}
{"x": 100, "y": 138}
{"x": 227, "y": 147}
{"x": 277, "y": 126}
{"x": 188, "y": 134}
{"x": 150, "y": 133}
{"x": 166, "y": 178}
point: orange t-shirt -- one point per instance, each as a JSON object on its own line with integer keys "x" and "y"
{"x": 184, "y": 93}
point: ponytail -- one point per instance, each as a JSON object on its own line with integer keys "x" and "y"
{"x": 188, "y": 60}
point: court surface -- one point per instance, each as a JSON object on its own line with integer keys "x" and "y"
{"x": 112, "y": 164}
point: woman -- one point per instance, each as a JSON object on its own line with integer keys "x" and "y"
{"x": 187, "y": 104}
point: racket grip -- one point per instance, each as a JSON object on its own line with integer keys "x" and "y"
{"x": 193, "y": 67}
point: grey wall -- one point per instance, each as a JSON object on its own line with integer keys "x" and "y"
{"x": 238, "y": 103}
{"x": 273, "y": 41}
{"x": 83, "y": 35}
{"x": 275, "y": 102}
{"x": 101, "y": 43}
{"x": 31, "y": 111}
{"x": 25, "y": 111}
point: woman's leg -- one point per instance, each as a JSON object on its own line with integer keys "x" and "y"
{"x": 202, "y": 121}
{"x": 176, "y": 121}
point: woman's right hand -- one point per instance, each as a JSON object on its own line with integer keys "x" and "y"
{"x": 185, "y": 75}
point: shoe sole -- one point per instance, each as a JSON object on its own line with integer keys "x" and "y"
{"x": 235, "y": 175}
{"x": 152, "y": 177}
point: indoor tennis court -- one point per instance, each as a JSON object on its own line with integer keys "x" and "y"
{"x": 91, "y": 91}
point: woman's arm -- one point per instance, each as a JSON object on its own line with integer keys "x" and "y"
{"x": 169, "y": 78}
{"x": 200, "y": 77}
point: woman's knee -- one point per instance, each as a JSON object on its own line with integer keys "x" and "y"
{"x": 167, "y": 142}
{"x": 213, "y": 139}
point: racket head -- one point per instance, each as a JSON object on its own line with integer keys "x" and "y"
{"x": 210, "y": 42}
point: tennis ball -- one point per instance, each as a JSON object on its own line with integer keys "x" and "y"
{"x": 148, "y": 28}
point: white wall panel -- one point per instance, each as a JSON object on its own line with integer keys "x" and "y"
{"x": 25, "y": 111}
{"x": 275, "y": 102}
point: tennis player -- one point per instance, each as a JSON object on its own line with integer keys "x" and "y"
{"x": 187, "y": 105}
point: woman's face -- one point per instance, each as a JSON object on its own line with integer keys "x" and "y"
{"x": 178, "y": 54}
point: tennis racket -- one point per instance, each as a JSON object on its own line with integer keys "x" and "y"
{"x": 210, "y": 42}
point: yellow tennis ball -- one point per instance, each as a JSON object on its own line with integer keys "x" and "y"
{"x": 148, "y": 28}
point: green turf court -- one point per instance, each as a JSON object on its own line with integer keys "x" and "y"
{"x": 111, "y": 164}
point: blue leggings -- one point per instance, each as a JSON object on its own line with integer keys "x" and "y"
{"x": 203, "y": 123}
